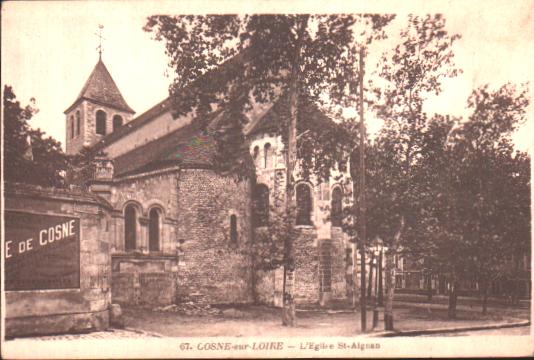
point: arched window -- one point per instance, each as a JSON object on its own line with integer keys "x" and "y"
{"x": 304, "y": 204}
{"x": 153, "y": 230}
{"x": 72, "y": 127}
{"x": 261, "y": 205}
{"x": 130, "y": 227}
{"x": 78, "y": 122}
{"x": 337, "y": 206}
{"x": 233, "y": 229}
{"x": 267, "y": 155}
{"x": 255, "y": 155}
{"x": 101, "y": 119}
{"x": 117, "y": 122}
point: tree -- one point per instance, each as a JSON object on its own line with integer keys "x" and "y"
{"x": 81, "y": 167}
{"x": 502, "y": 236}
{"x": 262, "y": 58}
{"x": 471, "y": 192}
{"x": 515, "y": 211}
{"x": 412, "y": 71}
{"x": 29, "y": 156}
{"x": 482, "y": 217}
{"x": 439, "y": 242}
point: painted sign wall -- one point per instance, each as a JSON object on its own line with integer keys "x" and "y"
{"x": 41, "y": 251}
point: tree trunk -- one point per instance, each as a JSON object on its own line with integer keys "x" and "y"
{"x": 254, "y": 278}
{"x": 390, "y": 277}
{"x": 362, "y": 233}
{"x": 389, "y": 273}
{"x": 355, "y": 287}
{"x": 370, "y": 287}
{"x": 429, "y": 287}
{"x": 288, "y": 310}
{"x": 515, "y": 282}
{"x": 515, "y": 297}
{"x": 380, "y": 286}
{"x": 453, "y": 298}
{"x": 484, "y": 296}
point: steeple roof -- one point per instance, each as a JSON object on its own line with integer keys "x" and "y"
{"x": 101, "y": 89}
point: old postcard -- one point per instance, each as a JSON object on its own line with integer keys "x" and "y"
{"x": 265, "y": 179}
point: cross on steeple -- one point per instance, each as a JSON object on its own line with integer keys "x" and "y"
{"x": 99, "y": 48}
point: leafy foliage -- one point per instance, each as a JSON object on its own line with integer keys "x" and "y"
{"x": 29, "y": 156}
{"x": 268, "y": 247}
{"x": 82, "y": 166}
{"x": 410, "y": 73}
{"x": 235, "y": 62}
{"x": 481, "y": 186}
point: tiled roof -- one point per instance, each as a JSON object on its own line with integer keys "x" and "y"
{"x": 192, "y": 146}
{"x": 189, "y": 146}
{"x": 101, "y": 89}
{"x": 136, "y": 123}
{"x": 265, "y": 122}
{"x": 269, "y": 122}
{"x": 36, "y": 191}
{"x": 165, "y": 105}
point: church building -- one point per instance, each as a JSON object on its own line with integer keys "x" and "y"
{"x": 181, "y": 231}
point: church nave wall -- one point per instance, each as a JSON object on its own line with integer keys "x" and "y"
{"x": 214, "y": 258}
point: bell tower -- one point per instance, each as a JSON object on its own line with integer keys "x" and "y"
{"x": 98, "y": 110}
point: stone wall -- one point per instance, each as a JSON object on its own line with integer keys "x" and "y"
{"x": 144, "y": 279}
{"x": 269, "y": 284}
{"x": 212, "y": 268}
{"x": 322, "y": 271}
{"x": 142, "y": 276}
{"x": 90, "y": 109}
{"x": 88, "y": 135}
{"x": 74, "y": 144}
{"x": 146, "y": 191}
{"x": 340, "y": 264}
{"x": 320, "y": 249}
{"x": 33, "y": 312}
{"x": 307, "y": 267}
{"x": 197, "y": 260}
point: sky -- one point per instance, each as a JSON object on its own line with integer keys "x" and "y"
{"x": 49, "y": 49}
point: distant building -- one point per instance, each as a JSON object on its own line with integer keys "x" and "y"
{"x": 413, "y": 276}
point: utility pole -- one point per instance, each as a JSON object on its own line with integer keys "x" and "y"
{"x": 362, "y": 208}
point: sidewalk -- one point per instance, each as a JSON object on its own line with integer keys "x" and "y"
{"x": 511, "y": 311}
{"x": 452, "y": 329}
{"x": 114, "y": 334}
{"x": 471, "y": 301}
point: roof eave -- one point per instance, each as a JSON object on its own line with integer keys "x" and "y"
{"x": 129, "y": 110}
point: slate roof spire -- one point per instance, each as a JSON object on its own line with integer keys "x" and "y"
{"x": 100, "y": 88}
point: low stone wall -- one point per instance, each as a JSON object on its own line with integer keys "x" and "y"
{"x": 45, "y": 306}
{"x": 144, "y": 279}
